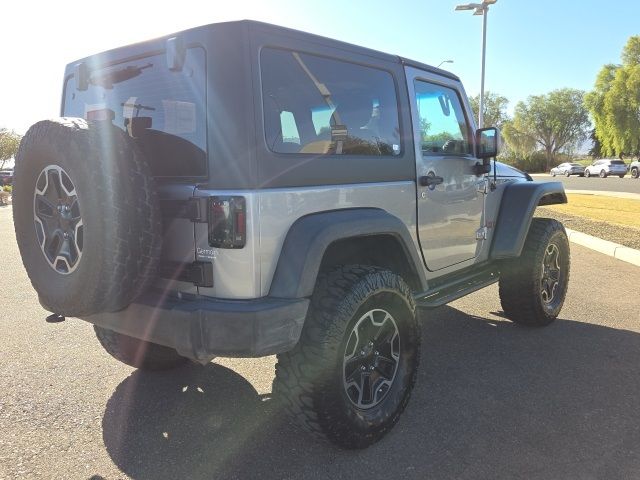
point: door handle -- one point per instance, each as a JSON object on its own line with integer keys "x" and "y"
{"x": 430, "y": 180}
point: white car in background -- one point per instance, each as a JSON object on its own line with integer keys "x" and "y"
{"x": 605, "y": 167}
{"x": 568, "y": 169}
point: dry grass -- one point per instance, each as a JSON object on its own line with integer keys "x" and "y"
{"x": 621, "y": 211}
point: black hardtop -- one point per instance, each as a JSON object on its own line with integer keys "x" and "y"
{"x": 199, "y": 35}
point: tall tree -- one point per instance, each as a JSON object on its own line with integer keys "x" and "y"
{"x": 9, "y": 143}
{"x": 495, "y": 108}
{"x": 614, "y": 103}
{"x": 596, "y": 146}
{"x": 555, "y": 121}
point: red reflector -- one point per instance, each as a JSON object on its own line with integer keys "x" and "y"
{"x": 241, "y": 223}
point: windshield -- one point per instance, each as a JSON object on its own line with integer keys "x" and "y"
{"x": 161, "y": 110}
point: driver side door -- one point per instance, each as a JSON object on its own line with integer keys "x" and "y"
{"x": 450, "y": 196}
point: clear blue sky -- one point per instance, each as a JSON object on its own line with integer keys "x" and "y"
{"x": 533, "y": 47}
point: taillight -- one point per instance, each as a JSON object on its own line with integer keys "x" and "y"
{"x": 227, "y": 222}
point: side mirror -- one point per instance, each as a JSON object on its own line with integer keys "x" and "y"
{"x": 176, "y": 53}
{"x": 487, "y": 142}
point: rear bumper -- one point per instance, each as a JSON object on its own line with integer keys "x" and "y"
{"x": 201, "y": 329}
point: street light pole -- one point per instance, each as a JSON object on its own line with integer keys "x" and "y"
{"x": 480, "y": 9}
{"x": 484, "y": 51}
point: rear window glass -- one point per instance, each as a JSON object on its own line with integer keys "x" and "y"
{"x": 163, "y": 111}
{"x": 320, "y": 106}
{"x": 617, "y": 162}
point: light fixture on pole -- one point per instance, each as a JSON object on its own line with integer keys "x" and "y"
{"x": 444, "y": 61}
{"x": 480, "y": 9}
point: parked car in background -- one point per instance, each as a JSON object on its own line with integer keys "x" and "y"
{"x": 6, "y": 177}
{"x": 634, "y": 169}
{"x": 568, "y": 169}
{"x": 605, "y": 167}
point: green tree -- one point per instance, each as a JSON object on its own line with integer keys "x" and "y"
{"x": 614, "y": 103}
{"x": 9, "y": 143}
{"x": 495, "y": 108}
{"x": 596, "y": 147}
{"x": 555, "y": 122}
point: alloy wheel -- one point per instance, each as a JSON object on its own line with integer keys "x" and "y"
{"x": 550, "y": 278}
{"x": 371, "y": 359}
{"x": 57, "y": 219}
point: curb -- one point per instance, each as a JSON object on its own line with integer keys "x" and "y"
{"x": 626, "y": 254}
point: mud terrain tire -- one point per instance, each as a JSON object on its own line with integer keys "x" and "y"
{"x": 317, "y": 381}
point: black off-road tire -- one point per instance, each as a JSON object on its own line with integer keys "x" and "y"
{"x": 309, "y": 379}
{"x": 138, "y": 353}
{"x": 521, "y": 279}
{"x": 117, "y": 202}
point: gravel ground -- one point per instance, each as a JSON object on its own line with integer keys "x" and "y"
{"x": 621, "y": 234}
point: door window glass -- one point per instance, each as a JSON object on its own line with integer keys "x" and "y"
{"x": 443, "y": 126}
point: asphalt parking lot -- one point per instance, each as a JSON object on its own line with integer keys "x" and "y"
{"x": 492, "y": 400}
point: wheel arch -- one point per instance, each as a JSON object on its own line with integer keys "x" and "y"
{"x": 518, "y": 204}
{"x": 321, "y": 240}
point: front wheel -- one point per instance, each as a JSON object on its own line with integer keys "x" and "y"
{"x": 351, "y": 374}
{"x": 533, "y": 287}
{"x": 635, "y": 173}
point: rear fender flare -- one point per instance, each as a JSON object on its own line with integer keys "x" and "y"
{"x": 309, "y": 237}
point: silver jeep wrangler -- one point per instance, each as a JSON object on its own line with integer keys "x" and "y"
{"x": 242, "y": 190}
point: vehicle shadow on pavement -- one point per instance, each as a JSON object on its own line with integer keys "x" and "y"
{"x": 493, "y": 400}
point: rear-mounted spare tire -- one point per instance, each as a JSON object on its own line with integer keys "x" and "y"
{"x": 86, "y": 216}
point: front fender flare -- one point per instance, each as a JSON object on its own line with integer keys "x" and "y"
{"x": 519, "y": 201}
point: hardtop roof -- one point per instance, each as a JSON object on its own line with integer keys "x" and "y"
{"x": 290, "y": 32}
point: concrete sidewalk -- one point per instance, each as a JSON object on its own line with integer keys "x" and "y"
{"x": 631, "y": 196}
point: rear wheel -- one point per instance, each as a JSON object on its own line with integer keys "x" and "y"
{"x": 351, "y": 374}
{"x": 533, "y": 287}
{"x": 621, "y": 176}
{"x": 587, "y": 173}
{"x": 603, "y": 174}
{"x": 138, "y": 353}
{"x": 567, "y": 174}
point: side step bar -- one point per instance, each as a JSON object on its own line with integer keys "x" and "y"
{"x": 458, "y": 286}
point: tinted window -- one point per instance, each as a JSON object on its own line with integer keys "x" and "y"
{"x": 443, "y": 126}
{"x": 163, "y": 111}
{"x": 617, "y": 162}
{"x": 315, "y": 105}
